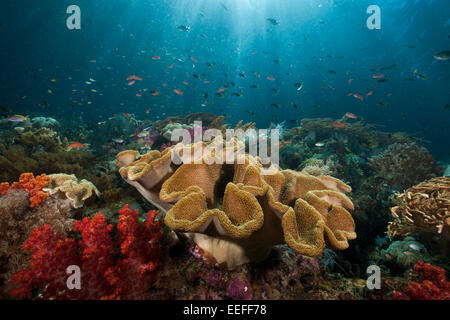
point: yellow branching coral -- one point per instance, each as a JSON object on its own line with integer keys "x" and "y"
{"x": 235, "y": 212}
{"x": 423, "y": 208}
{"x": 67, "y": 186}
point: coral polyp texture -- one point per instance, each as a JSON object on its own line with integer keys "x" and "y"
{"x": 23, "y": 207}
{"x": 433, "y": 285}
{"x": 423, "y": 208}
{"x": 105, "y": 274}
{"x": 68, "y": 187}
{"x": 403, "y": 164}
{"x": 236, "y": 212}
{"x": 34, "y": 187}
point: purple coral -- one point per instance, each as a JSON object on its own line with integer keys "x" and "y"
{"x": 310, "y": 265}
{"x": 195, "y": 251}
{"x": 214, "y": 278}
{"x": 238, "y": 290}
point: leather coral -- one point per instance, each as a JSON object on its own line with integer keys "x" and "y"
{"x": 235, "y": 212}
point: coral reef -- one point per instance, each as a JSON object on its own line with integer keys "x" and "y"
{"x": 403, "y": 165}
{"x": 68, "y": 187}
{"x": 319, "y": 167}
{"x": 357, "y": 135}
{"x": 33, "y": 186}
{"x": 423, "y": 208}
{"x": 102, "y": 276}
{"x": 237, "y": 212}
{"x": 405, "y": 253}
{"x": 17, "y": 220}
{"x": 40, "y": 151}
{"x": 239, "y": 230}
{"x": 284, "y": 275}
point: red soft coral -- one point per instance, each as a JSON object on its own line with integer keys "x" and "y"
{"x": 434, "y": 285}
{"x": 51, "y": 254}
{"x": 141, "y": 254}
{"x": 128, "y": 277}
{"x": 33, "y": 185}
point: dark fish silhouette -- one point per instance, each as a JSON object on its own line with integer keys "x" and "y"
{"x": 273, "y": 21}
{"x": 443, "y": 55}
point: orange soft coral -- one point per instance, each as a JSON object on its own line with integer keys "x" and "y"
{"x": 4, "y": 188}
{"x": 33, "y": 185}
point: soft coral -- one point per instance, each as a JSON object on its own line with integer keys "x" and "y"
{"x": 103, "y": 277}
{"x": 434, "y": 285}
{"x": 33, "y": 185}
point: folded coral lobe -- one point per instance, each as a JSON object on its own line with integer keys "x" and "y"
{"x": 236, "y": 212}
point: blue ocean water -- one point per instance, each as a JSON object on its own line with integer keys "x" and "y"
{"x": 79, "y": 76}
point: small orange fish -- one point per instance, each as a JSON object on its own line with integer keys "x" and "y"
{"x": 133, "y": 77}
{"x": 350, "y": 80}
{"x": 171, "y": 66}
{"x": 156, "y": 57}
{"x": 185, "y": 82}
{"x": 155, "y": 93}
{"x": 271, "y": 78}
{"x": 378, "y": 76}
{"x": 338, "y": 124}
{"x": 131, "y": 83}
{"x": 193, "y": 59}
{"x": 138, "y": 95}
{"x": 350, "y": 115}
{"x": 358, "y": 96}
{"x": 126, "y": 115}
{"x": 148, "y": 111}
{"x": 178, "y": 92}
{"x": 221, "y": 89}
{"x": 369, "y": 93}
{"x": 76, "y": 145}
{"x": 164, "y": 84}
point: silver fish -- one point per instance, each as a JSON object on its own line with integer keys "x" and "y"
{"x": 443, "y": 55}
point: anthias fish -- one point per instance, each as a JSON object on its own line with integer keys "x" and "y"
{"x": 17, "y": 118}
{"x": 77, "y": 145}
